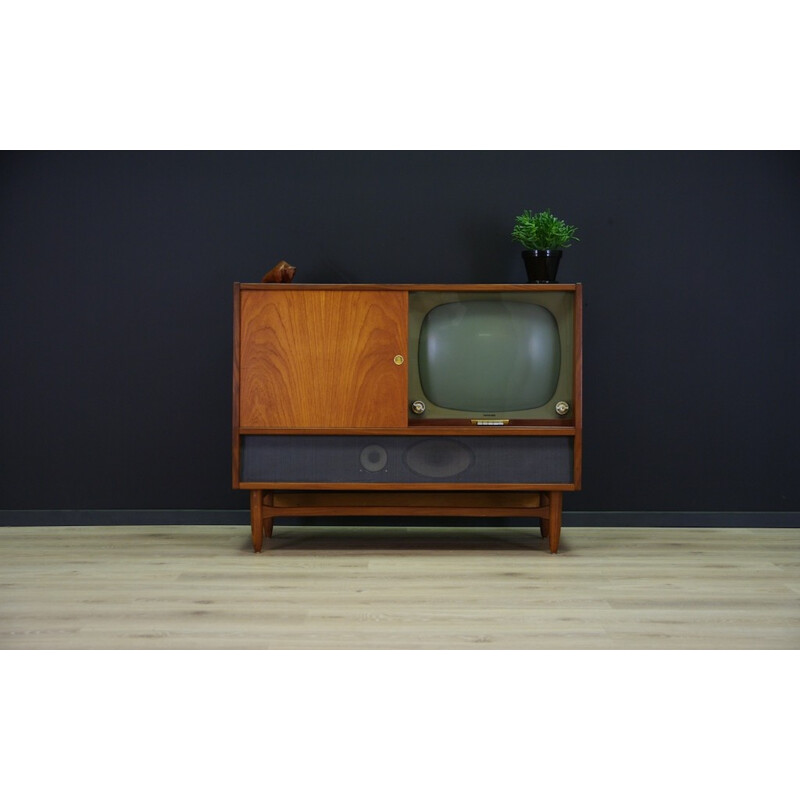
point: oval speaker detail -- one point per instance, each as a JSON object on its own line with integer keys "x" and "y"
{"x": 438, "y": 458}
{"x": 374, "y": 458}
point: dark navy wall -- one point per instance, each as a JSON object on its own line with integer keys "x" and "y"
{"x": 115, "y": 301}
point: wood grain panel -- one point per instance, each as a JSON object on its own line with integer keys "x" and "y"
{"x": 577, "y": 382}
{"x": 236, "y": 451}
{"x": 401, "y": 487}
{"x": 323, "y": 359}
{"x": 414, "y": 429}
{"x": 408, "y": 499}
{"x": 411, "y": 287}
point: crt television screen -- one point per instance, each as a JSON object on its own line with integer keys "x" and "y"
{"x": 490, "y": 355}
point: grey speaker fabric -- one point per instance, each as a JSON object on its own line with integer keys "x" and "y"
{"x": 407, "y": 459}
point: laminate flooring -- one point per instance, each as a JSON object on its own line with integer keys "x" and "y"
{"x": 195, "y": 587}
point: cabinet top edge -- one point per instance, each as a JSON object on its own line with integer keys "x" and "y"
{"x": 411, "y": 287}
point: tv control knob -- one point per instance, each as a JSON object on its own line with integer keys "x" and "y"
{"x": 562, "y": 408}
{"x": 418, "y": 407}
{"x": 398, "y": 360}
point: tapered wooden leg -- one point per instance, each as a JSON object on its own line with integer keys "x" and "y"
{"x": 543, "y": 528}
{"x": 554, "y": 523}
{"x": 268, "y": 518}
{"x": 257, "y": 518}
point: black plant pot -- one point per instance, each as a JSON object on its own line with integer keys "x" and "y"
{"x": 541, "y": 265}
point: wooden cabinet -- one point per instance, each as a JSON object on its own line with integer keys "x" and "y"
{"x": 322, "y": 420}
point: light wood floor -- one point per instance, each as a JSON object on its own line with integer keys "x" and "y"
{"x": 181, "y": 587}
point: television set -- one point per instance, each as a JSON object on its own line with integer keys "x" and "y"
{"x": 491, "y": 358}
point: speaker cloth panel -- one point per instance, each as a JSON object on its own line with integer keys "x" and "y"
{"x": 407, "y": 459}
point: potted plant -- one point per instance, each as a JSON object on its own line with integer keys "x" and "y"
{"x": 544, "y": 237}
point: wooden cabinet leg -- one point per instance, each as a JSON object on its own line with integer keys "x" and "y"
{"x": 257, "y": 518}
{"x": 268, "y": 518}
{"x": 544, "y": 522}
{"x": 554, "y": 523}
{"x": 543, "y": 528}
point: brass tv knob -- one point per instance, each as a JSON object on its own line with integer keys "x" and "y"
{"x": 562, "y": 408}
{"x": 418, "y": 407}
{"x": 398, "y": 360}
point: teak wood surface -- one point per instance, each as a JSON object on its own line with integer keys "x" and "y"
{"x": 265, "y": 507}
{"x": 412, "y": 287}
{"x": 322, "y": 359}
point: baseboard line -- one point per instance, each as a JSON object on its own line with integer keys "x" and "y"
{"x": 682, "y": 519}
{"x": 583, "y": 519}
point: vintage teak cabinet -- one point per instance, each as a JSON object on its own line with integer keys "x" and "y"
{"x": 411, "y": 400}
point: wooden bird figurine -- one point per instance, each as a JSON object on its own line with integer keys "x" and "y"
{"x": 282, "y": 272}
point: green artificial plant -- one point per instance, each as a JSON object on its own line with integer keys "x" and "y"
{"x": 542, "y": 231}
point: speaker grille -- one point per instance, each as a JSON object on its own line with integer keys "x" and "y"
{"x": 407, "y": 459}
{"x": 374, "y": 458}
{"x": 432, "y": 458}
